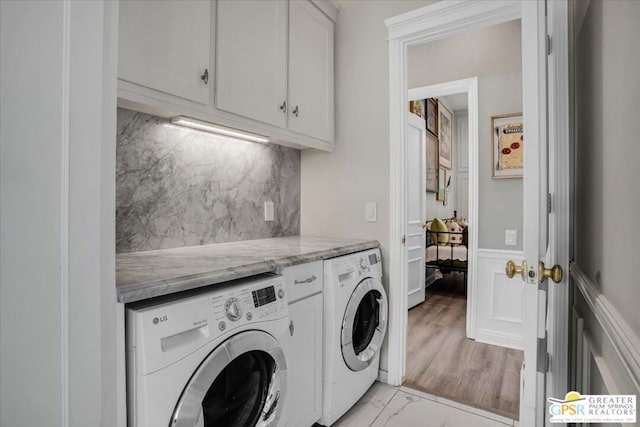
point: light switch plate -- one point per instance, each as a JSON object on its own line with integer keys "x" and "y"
{"x": 371, "y": 212}
{"x": 268, "y": 211}
{"x": 511, "y": 237}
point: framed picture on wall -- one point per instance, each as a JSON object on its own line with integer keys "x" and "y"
{"x": 442, "y": 185}
{"x": 445, "y": 135}
{"x": 432, "y": 116}
{"x": 431, "y": 163}
{"x": 417, "y": 107}
{"x": 507, "y": 146}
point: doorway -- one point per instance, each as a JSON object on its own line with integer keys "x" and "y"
{"x": 544, "y": 122}
{"x": 467, "y": 89}
{"x": 442, "y": 357}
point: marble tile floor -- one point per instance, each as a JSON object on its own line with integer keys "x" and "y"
{"x": 388, "y": 406}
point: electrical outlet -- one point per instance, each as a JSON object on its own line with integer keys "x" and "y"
{"x": 511, "y": 237}
{"x": 371, "y": 212}
{"x": 268, "y": 211}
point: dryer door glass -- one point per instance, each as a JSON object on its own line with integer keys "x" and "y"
{"x": 242, "y": 383}
{"x": 364, "y": 324}
{"x": 365, "y": 321}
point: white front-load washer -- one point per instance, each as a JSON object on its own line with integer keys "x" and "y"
{"x": 355, "y": 325}
{"x": 209, "y": 358}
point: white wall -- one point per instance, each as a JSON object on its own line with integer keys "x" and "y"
{"x": 607, "y": 200}
{"x": 335, "y": 186}
{"x": 57, "y": 140}
{"x": 494, "y": 55}
{"x": 31, "y": 213}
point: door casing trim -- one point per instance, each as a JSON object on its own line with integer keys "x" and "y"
{"x": 470, "y": 87}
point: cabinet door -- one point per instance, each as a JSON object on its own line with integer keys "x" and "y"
{"x": 166, "y": 46}
{"x": 251, "y": 59}
{"x": 304, "y": 391}
{"x": 311, "y": 88}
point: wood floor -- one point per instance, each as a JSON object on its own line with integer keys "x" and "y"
{"x": 443, "y": 362}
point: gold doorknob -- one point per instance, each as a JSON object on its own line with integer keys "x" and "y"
{"x": 554, "y": 273}
{"x": 511, "y": 269}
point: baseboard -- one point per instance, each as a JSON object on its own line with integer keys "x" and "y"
{"x": 383, "y": 376}
{"x": 622, "y": 339}
{"x": 503, "y": 340}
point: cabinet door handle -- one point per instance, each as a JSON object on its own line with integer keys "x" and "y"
{"x": 291, "y": 327}
{"x": 307, "y": 280}
{"x": 296, "y": 111}
{"x": 205, "y": 76}
{"x": 283, "y": 107}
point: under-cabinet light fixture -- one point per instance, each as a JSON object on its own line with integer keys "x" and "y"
{"x": 220, "y": 130}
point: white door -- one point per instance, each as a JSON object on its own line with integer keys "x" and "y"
{"x": 166, "y": 46}
{"x": 310, "y": 71}
{"x": 545, "y": 177}
{"x": 416, "y": 209}
{"x": 251, "y": 60}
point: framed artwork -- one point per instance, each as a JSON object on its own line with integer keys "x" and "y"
{"x": 432, "y": 116}
{"x": 442, "y": 185}
{"x": 417, "y": 107}
{"x": 445, "y": 135}
{"x": 507, "y": 146}
{"x": 431, "y": 151}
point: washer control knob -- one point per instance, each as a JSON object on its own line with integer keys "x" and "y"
{"x": 249, "y": 316}
{"x": 281, "y": 293}
{"x": 232, "y": 309}
{"x": 222, "y": 326}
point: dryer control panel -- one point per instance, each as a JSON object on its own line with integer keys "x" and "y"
{"x": 163, "y": 333}
{"x": 354, "y": 266}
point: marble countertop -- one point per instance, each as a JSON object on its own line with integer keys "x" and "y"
{"x": 142, "y": 275}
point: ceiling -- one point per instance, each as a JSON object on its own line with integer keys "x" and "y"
{"x": 457, "y": 102}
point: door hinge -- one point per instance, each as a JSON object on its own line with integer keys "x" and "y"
{"x": 549, "y": 203}
{"x": 548, "y": 44}
{"x": 544, "y": 359}
{"x": 404, "y": 239}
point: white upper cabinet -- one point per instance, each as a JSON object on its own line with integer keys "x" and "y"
{"x": 261, "y": 52}
{"x": 311, "y": 87}
{"x": 166, "y": 46}
{"x": 251, "y": 56}
{"x": 264, "y": 66}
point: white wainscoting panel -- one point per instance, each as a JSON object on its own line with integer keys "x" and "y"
{"x": 499, "y": 300}
{"x": 606, "y": 355}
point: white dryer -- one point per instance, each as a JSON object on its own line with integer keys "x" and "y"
{"x": 355, "y": 325}
{"x": 213, "y": 358}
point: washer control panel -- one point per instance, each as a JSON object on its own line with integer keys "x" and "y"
{"x": 248, "y": 304}
{"x": 164, "y": 332}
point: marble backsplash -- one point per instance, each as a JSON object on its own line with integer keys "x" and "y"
{"x": 178, "y": 187}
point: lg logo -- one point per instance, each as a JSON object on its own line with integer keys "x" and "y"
{"x": 157, "y": 320}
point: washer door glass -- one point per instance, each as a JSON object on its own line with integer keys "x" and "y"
{"x": 364, "y": 325}
{"x": 241, "y": 383}
{"x": 238, "y": 394}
